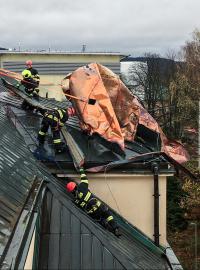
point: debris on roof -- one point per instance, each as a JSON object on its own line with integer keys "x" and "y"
{"x": 118, "y": 116}
{"x": 106, "y": 116}
{"x": 125, "y": 133}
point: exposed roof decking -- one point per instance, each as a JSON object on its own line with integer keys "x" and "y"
{"x": 96, "y": 150}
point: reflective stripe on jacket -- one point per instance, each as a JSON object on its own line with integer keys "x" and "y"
{"x": 83, "y": 194}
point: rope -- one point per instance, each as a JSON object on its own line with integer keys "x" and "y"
{"x": 105, "y": 179}
{"x": 33, "y": 84}
{"x": 16, "y": 76}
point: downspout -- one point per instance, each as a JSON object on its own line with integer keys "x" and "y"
{"x": 156, "y": 195}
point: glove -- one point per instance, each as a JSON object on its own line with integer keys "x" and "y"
{"x": 71, "y": 111}
{"x": 81, "y": 170}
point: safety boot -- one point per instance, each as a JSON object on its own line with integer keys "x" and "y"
{"x": 117, "y": 232}
{"x": 60, "y": 148}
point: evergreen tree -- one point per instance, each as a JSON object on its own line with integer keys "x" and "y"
{"x": 175, "y": 213}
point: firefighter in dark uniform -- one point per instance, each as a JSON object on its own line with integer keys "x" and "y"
{"x": 91, "y": 205}
{"x": 54, "y": 119}
{"x": 31, "y": 86}
{"x": 34, "y": 73}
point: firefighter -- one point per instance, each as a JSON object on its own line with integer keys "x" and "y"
{"x": 91, "y": 205}
{"x": 31, "y": 86}
{"x": 54, "y": 119}
{"x": 34, "y": 73}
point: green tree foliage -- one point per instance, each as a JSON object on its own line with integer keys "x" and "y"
{"x": 184, "y": 90}
{"x": 185, "y": 87}
{"x": 192, "y": 202}
{"x": 183, "y": 106}
{"x": 175, "y": 195}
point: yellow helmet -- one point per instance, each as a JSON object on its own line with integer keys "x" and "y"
{"x": 26, "y": 73}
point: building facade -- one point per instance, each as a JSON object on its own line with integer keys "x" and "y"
{"x": 54, "y": 66}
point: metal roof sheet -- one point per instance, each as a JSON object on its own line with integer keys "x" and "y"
{"x": 18, "y": 169}
{"x": 72, "y": 240}
{"x": 69, "y": 238}
{"x": 95, "y": 148}
{"x": 45, "y": 103}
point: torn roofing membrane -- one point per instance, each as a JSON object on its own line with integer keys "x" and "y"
{"x": 117, "y": 116}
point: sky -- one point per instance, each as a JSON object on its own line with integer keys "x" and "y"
{"x": 130, "y": 27}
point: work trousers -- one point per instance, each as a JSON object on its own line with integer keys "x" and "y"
{"x": 55, "y": 128}
{"x": 102, "y": 214}
{"x": 31, "y": 86}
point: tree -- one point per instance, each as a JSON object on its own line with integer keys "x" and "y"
{"x": 182, "y": 104}
{"x": 145, "y": 77}
{"x": 175, "y": 211}
{"x": 151, "y": 79}
{"x": 184, "y": 89}
{"x": 169, "y": 88}
{"x": 191, "y": 52}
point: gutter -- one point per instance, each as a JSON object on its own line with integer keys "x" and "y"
{"x": 173, "y": 260}
{"x": 13, "y": 250}
{"x": 153, "y": 155}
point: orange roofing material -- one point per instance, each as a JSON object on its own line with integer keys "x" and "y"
{"x": 86, "y": 82}
{"x": 117, "y": 112}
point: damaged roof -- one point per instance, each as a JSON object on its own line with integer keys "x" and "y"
{"x": 73, "y": 239}
{"x": 96, "y": 150}
{"x": 106, "y": 118}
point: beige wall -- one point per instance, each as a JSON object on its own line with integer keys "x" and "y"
{"x": 29, "y": 259}
{"x": 60, "y": 58}
{"x": 131, "y": 196}
{"x": 51, "y": 84}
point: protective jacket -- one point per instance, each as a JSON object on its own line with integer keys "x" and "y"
{"x": 54, "y": 119}
{"x": 30, "y": 83}
{"x": 33, "y": 71}
{"x": 35, "y": 74}
{"x": 94, "y": 207}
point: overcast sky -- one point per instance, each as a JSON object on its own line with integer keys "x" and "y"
{"x": 126, "y": 26}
